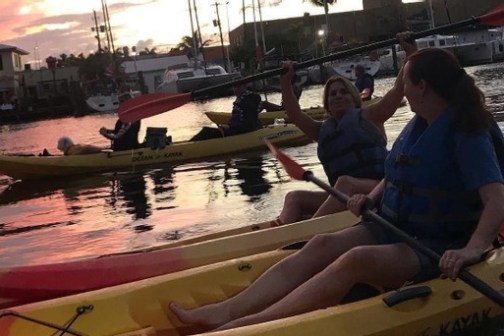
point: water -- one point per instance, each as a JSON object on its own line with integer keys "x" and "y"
{"x": 72, "y": 217}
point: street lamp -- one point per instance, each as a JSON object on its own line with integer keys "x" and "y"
{"x": 321, "y": 34}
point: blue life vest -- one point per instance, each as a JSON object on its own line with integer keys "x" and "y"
{"x": 353, "y": 146}
{"x": 424, "y": 192}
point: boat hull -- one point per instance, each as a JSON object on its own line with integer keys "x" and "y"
{"x": 102, "y": 103}
{"x": 443, "y": 307}
{"x": 36, "y": 167}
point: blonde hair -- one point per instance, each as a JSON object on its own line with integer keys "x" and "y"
{"x": 348, "y": 85}
{"x": 64, "y": 143}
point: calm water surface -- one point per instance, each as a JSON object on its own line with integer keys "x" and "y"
{"x": 72, "y": 217}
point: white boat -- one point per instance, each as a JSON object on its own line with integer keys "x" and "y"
{"x": 103, "y": 103}
{"x": 480, "y": 46}
{"x": 345, "y": 68}
{"x": 471, "y": 48}
{"x": 186, "y": 78}
{"x": 301, "y": 80}
{"x": 107, "y": 102}
{"x": 6, "y": 107}
{"x": 449, "y": 42}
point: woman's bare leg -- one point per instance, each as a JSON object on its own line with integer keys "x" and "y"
{"x": 348, "y": 185}
{"x": 386, "y": 265}
{"x": 279, "y": 280}
{"x": 299, "y": 203}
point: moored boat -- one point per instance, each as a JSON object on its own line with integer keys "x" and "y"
{"x": 186, "y": 77}
{"x": 268, "y": 118}
{"x": 346, "y": 68}
{"x": 435, "y": 307}
{"x": 32, "y": 283}
{"x": 33, "y": 167}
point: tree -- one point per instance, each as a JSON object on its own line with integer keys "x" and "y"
{"x": 321, "y": 3}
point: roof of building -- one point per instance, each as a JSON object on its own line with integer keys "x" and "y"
{"x": 7, "y": 48}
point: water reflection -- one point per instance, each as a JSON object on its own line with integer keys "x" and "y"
{"x": 60, "y": 202}
{"x": 250, "y": 175}
{"x": 131, "y": 189}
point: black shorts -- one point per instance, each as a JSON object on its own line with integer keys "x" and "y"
{"x": 428, "y": 268}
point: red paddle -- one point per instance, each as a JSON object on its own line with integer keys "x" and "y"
{"x": 297, "y": 172}
{"x": 155, "y": 103}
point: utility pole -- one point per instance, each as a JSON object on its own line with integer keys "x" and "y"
{"x": 218, "y": 23}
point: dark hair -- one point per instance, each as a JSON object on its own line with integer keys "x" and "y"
{"x": 442, "y": 72}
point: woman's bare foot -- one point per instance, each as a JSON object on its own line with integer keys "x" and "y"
{"x": 204, "y": 316}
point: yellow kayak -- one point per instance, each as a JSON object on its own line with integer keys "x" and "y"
{"x": 36, "y": 167}
{"x": 31, "y": 283}
{"x": 268, "y": 118}
{"x": 435, "y": 307}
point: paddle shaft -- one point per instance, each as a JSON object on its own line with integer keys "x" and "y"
{"x": 464, "y": 275}
{"x": 334, "y": 56}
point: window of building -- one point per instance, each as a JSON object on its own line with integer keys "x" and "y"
{"x": 1, "y": 62}
{"x": 17, "y": 61}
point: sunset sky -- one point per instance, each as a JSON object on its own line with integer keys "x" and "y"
{"x": 64, "y": 26}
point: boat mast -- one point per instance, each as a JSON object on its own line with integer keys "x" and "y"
{"x": 431, "y": 15}
{"x": 262, "y": 26}
{"x": 108, "y": 28}
{"x": 198, "y": 28}
{"x": 218, "y": 23}
{"x": 194, "y": 43}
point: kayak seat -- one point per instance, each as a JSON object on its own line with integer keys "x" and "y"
{"x": 155, "y": 138}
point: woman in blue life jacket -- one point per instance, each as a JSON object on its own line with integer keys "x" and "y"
{"x": 351, "y": 143}
{"x": 448, "y": 194}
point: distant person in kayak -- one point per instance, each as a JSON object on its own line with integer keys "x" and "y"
{"x": 351, "y": 144}
{"x": 296, "y": 89}
{"x": 443, "y": 185}
{"x": 244, "y": 117}
{"x": 124, "y": 136}
{"x": 66, "y": 145}
{"x": 364, "y": 82}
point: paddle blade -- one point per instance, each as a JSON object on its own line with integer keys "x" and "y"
{"x": 151, "y": 104}
{"x": 291, "y": 167}
{"x": 494, "y": 18}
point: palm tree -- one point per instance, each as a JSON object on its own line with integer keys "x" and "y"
{"x": 325, "y": 4}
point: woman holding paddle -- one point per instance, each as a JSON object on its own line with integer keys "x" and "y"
{"x": 351, "y": 142}
{"x": 443, "y": 185}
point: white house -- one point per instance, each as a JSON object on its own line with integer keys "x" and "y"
{"x": 10, "y": 64}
